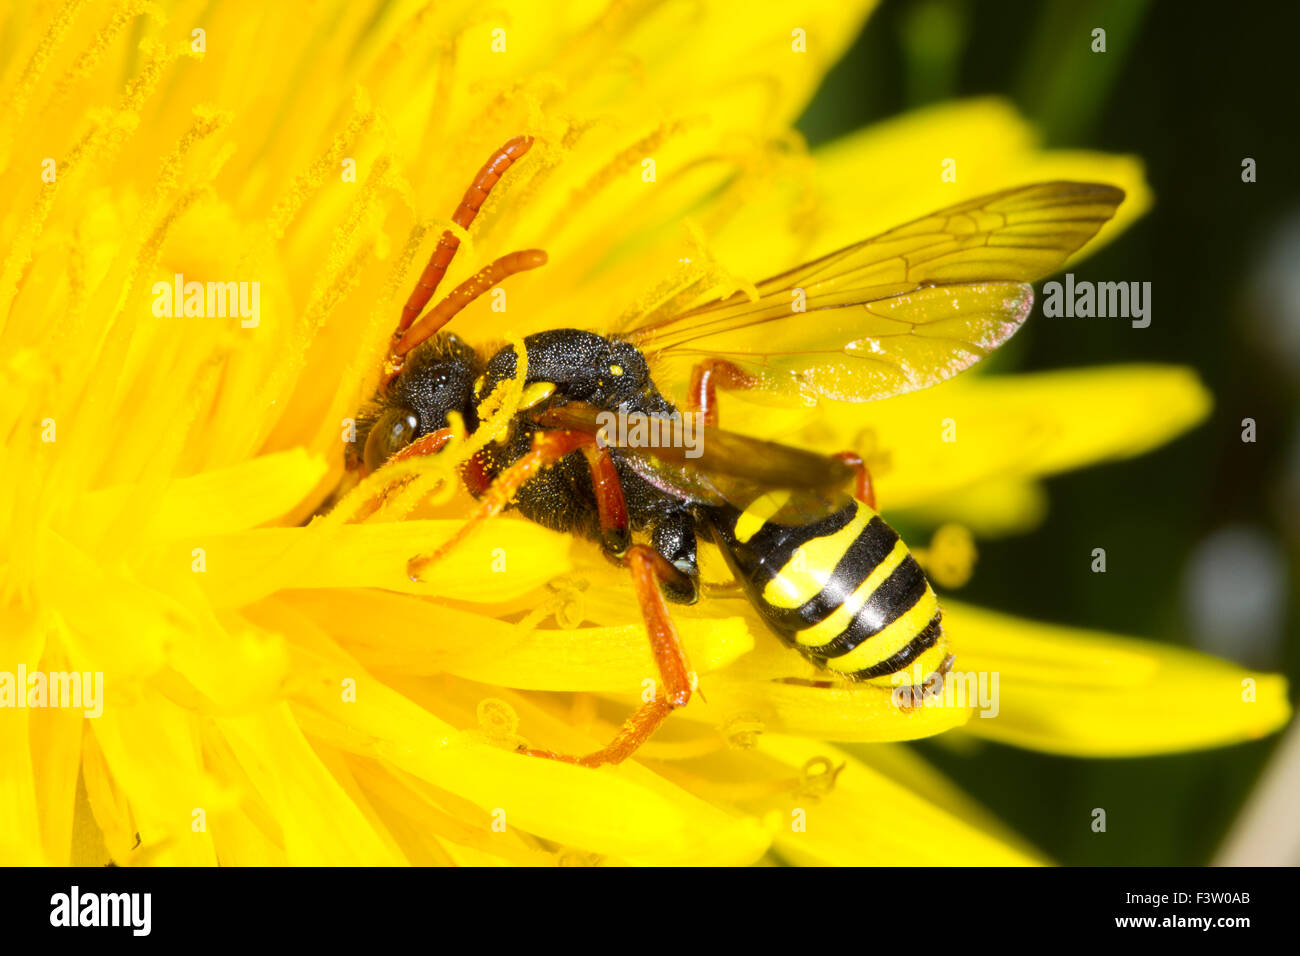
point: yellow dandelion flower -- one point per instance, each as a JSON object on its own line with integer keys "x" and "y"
{"x": 212, "y": 217}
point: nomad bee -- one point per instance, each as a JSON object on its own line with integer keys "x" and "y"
{"x": 898, "y": 312}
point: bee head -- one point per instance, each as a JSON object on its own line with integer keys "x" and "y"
{"x": 438, "y": 378}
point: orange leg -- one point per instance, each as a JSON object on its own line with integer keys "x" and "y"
{"x": 866, "y": 491}
{"x": 429, "y": 444}
{"x": 706, "y": 379}
{"x": 648, "y": 568}
{"x": 614, "y": 526}
{"x": 473, "y": 200}
{"x": 548, "y": 448}
{"x": 424, "y": 445}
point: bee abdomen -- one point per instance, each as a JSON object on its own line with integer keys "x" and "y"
{"x": 844, "y": 590}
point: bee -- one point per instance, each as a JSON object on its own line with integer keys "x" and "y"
{"x": 799, "y": 531}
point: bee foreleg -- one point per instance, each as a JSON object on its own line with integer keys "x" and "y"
{"x": 429, "y": 444}
{"x": 548, "y": 448}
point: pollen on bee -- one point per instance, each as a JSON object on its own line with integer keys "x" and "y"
{"x": 536, "y": 393}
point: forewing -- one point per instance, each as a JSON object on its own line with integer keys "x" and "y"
{"x": 901, "y": 311}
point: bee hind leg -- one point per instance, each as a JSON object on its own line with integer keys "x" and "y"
{"x": 864, "y": 490}
{"x": 649, "y": 569}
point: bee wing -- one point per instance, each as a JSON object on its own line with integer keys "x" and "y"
{"x": 901, "y": 311}
{"x": 717, "y": 467}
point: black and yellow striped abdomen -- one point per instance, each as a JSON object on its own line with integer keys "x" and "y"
{"x": 843, "y": 589}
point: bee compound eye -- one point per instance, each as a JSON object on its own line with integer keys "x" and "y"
{"x": 394, "y": 430}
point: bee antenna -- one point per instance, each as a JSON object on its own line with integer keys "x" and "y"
{"x": 445, "y": 251}
{"x": 463, "y": 295}
{"x": 405, "y": 337}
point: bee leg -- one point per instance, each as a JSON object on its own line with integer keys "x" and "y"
{"x": 649, "y": 569}
{"x": 424, "y": 445}
{"x": 652, "y": 576}
{"x": 865, "y": 491}
{"x": 429, "y": 444}
{"x": 615, "y": 532}
{"x": 706, "y": 378}
{"x": 674, "y": 539}
{"x": 548, "y": 448}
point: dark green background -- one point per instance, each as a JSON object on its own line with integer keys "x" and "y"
{"x": 1192, "y": 89}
